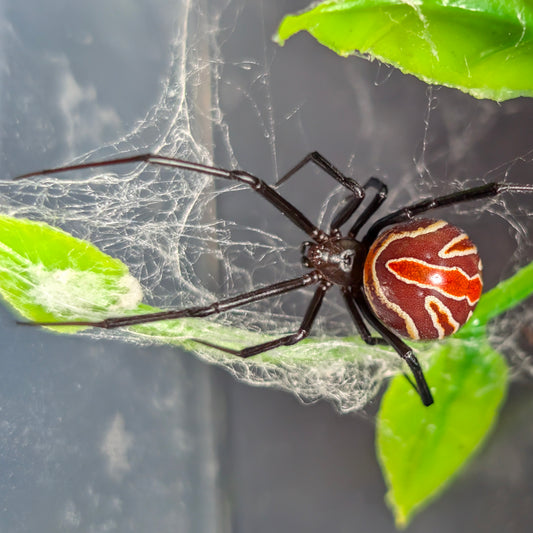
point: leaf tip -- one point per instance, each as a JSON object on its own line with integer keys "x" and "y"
{"x": 289, "y": 26}
{"x": 402, "y": 516}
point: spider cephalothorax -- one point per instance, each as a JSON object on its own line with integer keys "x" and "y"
{"x": 418, "y": 278}
{"x": 339, "y": 260}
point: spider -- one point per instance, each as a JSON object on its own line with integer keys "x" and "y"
{"x": 407, "y": 277}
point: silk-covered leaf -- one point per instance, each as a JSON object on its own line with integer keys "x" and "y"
{"x": 49, "y": 275}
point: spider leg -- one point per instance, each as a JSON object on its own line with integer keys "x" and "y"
{"x": 319, "y": 160}
{"x": 475, "y": 193}
{"x": 258, "y": 185}
{"x": 287, "y": 340}
{"x": 404, "y": 351}
{"x": 359, "y": 322}
{"x": 353, "y": 203}
{"x": 214, "y": 308}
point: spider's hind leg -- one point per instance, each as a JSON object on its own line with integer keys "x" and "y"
{"x": 220, "y": 306}
{"x": 363, "y": 331}
{"x": 404, "y": 351}
{"x": 287, "y": 340}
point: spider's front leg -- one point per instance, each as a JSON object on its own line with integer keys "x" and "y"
{"x": 344, "y": 214}
{"x": 255, "y": 183}
{"x": 320, "y": 161}
{"x": 360, "y": 325}
{"x": 354, "y": 201}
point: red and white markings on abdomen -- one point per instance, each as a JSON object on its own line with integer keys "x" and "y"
{"x": 423, "y": 278}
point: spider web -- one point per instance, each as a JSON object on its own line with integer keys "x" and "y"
{"x": 232, "y": 97}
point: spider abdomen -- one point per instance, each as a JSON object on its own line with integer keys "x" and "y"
{"x": 422, "y": 278}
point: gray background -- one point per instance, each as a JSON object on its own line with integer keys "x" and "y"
{"x": 202, "y": 451}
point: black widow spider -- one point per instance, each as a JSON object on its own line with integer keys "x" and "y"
{"x": 421, "y": 278}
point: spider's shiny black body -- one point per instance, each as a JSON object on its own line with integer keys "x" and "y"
{"x": 335, "y": 258}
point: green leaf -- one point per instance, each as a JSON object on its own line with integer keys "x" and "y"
{"x": 482, "y": 47}
{"x": 503, "y": 297}
{"x": 421, "y": 449}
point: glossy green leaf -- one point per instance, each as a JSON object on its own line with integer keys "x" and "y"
{"x": 483, "y": 47}
{"x": 503, "y": 297}
{"x": 421, "y": 449}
